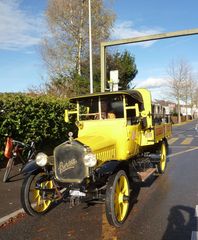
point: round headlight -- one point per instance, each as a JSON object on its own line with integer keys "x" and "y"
{"x": 41, "y": 159}
{"x": 90, "y": 160}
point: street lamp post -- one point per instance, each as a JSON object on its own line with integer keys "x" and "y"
{"x": 90, "y": 51}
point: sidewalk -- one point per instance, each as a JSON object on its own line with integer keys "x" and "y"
{"x": 183, "y": 123}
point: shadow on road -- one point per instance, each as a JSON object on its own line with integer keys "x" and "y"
{"x": 134, "y": 196}
{"x": 15, "y": 173}
{"x": 181, "y": 223}
{"x": 148, "y": 181}
{"x": 16, "y": 177}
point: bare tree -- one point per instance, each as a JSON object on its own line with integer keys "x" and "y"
{"x": 178, "y": 83}
{"x": 193, "y": 92}
{"x": 187, "y": 84}
{"x": 67, "y": 45}
{"x": 195, "y": 99}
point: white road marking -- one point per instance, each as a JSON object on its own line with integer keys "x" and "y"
{"x": 196, "y": 211}
{"x": 194, "y": 235}
{"x": 179, "y": 153}
{"x": 182, "y": 146}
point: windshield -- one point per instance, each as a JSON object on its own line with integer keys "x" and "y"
{"x": 88, "y": 108}
{"x": 101, "y": 107}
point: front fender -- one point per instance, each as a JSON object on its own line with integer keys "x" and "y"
{"x": 108, "y": 168}
{"x": 30, "y": 167}
{"x": 111, "y": 167}
{"x": 103, "y": 172}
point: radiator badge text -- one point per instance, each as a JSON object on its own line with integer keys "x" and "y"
{"x": 66, "y": 166}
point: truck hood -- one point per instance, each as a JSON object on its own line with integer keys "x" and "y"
{"x": 97, "y": 143}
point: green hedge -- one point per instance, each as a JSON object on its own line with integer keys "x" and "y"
{"x": 37, "y": 118}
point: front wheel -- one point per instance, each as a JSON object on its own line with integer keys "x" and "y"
{"x": 117, "y": 198}
{"x": 8, "y": 169}
{"x": 34, "y": 199}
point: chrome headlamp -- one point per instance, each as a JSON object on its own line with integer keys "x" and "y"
{"x": 41, "y": 159}
{"x": 90, "y": 159}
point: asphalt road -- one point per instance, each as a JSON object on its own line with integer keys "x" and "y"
{"x": 163, "y": 208}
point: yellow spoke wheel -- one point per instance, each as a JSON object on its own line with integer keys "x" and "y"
{"x": 34, "y": 201}
{"x": 117, "y": 198}
{"x": 163, "y": 158}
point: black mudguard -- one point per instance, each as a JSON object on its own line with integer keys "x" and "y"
{"x": 109, "y": 168}
{"x": 30, "y": 167}
{"x": 103, "y": 172}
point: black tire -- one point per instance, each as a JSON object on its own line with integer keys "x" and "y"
{"x": 31, "y": 199}
{"x": 167, "y": 148}
{"x": 8, "y": 169}
{"x": 161, "y": 166}
{"x": 117, "y": 198}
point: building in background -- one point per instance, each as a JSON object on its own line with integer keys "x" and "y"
{"x": 168, "y": 108}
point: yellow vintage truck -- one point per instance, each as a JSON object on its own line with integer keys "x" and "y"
{"x": 121, "y": 140}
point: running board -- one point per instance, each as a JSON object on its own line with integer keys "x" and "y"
{"x": 146, "y": 174}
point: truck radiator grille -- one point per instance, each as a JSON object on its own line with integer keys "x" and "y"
{"x": 69, "y": 164}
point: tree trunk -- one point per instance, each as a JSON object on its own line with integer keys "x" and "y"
{"x": 186, "y": 100}
{"x": 186, "y": 113}
{"x": 179, "y": 112}
{"x": 192, "y": 115}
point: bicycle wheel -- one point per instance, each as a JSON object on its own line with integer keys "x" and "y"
{"x": 8, "y": 169}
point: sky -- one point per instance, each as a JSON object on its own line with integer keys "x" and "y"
{"x": 22, "y": 27}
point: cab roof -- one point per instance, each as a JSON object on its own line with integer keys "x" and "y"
{"x": 135, "y": 94}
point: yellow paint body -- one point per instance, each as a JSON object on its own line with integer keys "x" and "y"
{"x": 115, "y": 139}
{"x": 110, "y": 139}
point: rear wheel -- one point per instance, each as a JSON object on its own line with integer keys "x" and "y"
{"x": 8, "y": 169}
{"x": 34, "y": 200}
{"x": 163, "y": 158}
{"x": 117, "y": 198}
